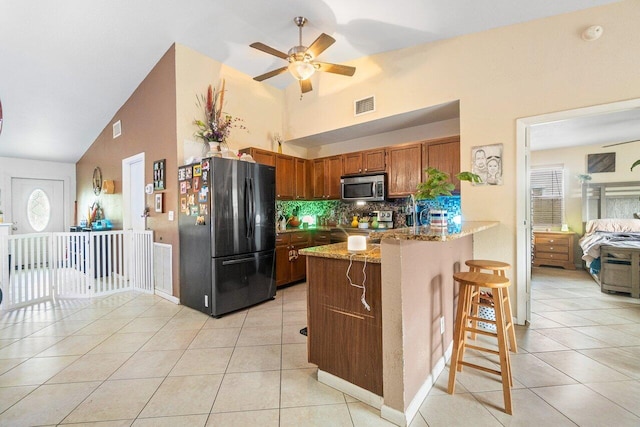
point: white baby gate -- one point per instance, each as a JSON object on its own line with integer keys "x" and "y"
{"x": 39, "y": 267}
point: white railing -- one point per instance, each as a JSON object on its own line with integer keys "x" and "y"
{"x": 38, "y": 267}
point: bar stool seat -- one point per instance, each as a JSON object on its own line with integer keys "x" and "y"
{"x": 471, "y": 282}
{"x": 499, "y": 268}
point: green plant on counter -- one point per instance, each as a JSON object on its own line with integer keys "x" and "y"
{"x": 636, "y": 163}
{"x": 438, "y": 183}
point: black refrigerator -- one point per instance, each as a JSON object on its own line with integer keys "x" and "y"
{"x": 227, "y": 234}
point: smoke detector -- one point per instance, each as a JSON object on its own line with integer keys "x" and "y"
{"x": 592, "y": 33}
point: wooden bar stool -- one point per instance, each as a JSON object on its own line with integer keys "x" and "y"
{"x": 499, "y": 268}
{"x": 471, "y": 282}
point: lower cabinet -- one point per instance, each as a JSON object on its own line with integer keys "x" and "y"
{"x": 290, "y": 265}
{"x": 344, "y": 338}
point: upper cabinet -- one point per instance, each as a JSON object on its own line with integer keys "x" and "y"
{"x": 443, "y": 154}
{"x": 325, "y": 177}
{"x": 302, "y": 178}
{"x": 364, "y": 162}
{"x": 285, "y": 184}
{"x": 404, "y": 169}
{"x": 319, "y": 179}
{"x": 261, "y": 156}
{"x": 285, "y": 167}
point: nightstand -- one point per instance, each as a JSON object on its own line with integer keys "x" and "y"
{"x": 554, "y": 248}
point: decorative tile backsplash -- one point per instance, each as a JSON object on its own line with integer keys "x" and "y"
{"x": 332, "y": 212}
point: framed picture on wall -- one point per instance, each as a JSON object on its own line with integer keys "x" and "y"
{"x": 158, "y": 174}
{"x": 486, "y": 162}
{"x": 159, "y": 202}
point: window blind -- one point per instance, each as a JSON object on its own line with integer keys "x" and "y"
{"x": 547, "y": 196}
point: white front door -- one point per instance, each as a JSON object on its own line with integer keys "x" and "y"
{"x": 133, "y": 193}
{"x": 37, "y": 205}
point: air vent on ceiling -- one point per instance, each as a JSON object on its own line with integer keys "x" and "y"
{"x": 364, "y": 106}
{"x": 117, "y": 129}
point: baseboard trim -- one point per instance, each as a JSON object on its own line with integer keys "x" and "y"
{"x": 167, "y": 296}
{"x": 359, "y": 393}
{"x": 404, "y": 419}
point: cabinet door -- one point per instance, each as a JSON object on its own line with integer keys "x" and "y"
{"x": 299, "y": 265}
{"x": 302, "y": 180}
{"x": 352, "y": 163}
{"x": 317, "y": 179}
{"x": 373, "y": 161}
{"x": 333, "y": 172}
{"x": 444, "y": 155}
{"x": 264, "y": 157}
{"x": 283, "y": 266}
{"x": 285, "y": 169}
{"x": 404, "y": 169}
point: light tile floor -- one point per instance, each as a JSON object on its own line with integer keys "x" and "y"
{"x": 137, "y": 360}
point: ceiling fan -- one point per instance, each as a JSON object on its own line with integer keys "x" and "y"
{"x": 301, "y": 59}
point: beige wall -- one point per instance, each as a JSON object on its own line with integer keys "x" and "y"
{"x": 260, "y": 106}
{"x": 499, "y": 76}
{"x": 149, "y": 126}
{"x": 158, "y": 118}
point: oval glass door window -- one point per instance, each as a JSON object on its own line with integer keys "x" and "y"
{"x": 38, "y": 210}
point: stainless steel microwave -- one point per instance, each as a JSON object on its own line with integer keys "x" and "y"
{"x": 370, "y": 188}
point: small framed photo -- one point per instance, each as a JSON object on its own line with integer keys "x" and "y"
{"x": 159, "y": 202}
{"x": 486, "y": 162}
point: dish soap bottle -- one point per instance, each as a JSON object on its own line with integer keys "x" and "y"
{"x": 354, "y": 223}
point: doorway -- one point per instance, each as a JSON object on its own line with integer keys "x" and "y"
{"x": 37, "y": 205}
{"x": 523, "y": 211}
{"x": 133, "y": 195}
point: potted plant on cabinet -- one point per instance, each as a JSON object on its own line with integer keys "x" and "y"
{"x": 439, "y": 184}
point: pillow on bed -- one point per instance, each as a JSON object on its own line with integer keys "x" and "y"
{"x": 613, "y": 225}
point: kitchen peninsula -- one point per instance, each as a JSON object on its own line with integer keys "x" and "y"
{"x": 388, "y": 350}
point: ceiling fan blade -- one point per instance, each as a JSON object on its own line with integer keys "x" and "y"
{"x": 305, "y": 86}
{"x": 268, "y": 49}
{"x": 620, "y": 143}
{"x": 345, "y": 70}
{"x": 320, "y": 44}
{"x": 270, "y": 74}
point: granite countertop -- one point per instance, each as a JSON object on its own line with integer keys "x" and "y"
{"x": 425, "y": 233}
{"x": 296, "y": 229}
{"x": 339, "y": 251}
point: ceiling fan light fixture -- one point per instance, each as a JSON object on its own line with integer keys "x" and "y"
{"x": 301, "y": 70}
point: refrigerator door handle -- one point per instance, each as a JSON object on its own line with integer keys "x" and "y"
{"x": 247, "y": 209}
{"x": 238, "y": 261}
{"x": 253, "y": 208}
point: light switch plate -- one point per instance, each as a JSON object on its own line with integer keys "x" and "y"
{"x": 170, "y": 215}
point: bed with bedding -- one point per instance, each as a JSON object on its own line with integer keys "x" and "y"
{"x": 611, "y": 251}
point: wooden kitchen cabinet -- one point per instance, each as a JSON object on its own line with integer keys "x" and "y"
{"x": 364, "y": 162}
{"x": 443, "y": 154}
{"x": 261, "y": 156}
{"x": 290, "y": 184}
{"x": 321, "y": 238}
{"x": 290, "y": 265}
{"x": 325, "y": 177}
{"x": 553, "y": 248}
{"x": 285, "y": 170}
{"x": 302, "y": 179}
{"x": 344, "y": 338}
{"x": 404, "y": 169}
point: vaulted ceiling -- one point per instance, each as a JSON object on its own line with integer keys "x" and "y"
{"x": 66, "y": 66}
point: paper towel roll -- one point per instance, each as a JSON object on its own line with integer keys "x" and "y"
{"x": 356, "y": 243}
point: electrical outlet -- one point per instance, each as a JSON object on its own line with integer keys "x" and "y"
{"x": 442, "y": 325}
